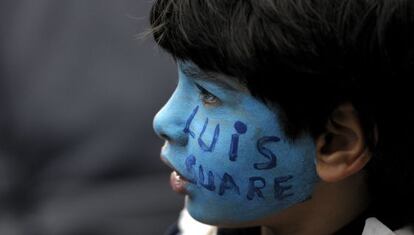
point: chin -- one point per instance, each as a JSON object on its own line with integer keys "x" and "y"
{"x": 217, "y": 219}
{"x": 205, "y": 215}
{"x": 213, "y": 214}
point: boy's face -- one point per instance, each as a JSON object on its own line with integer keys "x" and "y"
{"x": 236, "y": 163}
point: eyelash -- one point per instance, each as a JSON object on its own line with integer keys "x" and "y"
{"x": 207, "y": 98}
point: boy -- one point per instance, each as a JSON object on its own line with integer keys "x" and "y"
{"x": 290, "y": 117}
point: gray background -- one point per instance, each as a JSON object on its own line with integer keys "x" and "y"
{"x": 78, "y": 92}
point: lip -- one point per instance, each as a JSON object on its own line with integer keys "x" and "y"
{"x": 178, "y": 182}
{"x": 166, "y": 162}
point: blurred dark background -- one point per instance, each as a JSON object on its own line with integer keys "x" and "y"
{"x": 78, "y": 91}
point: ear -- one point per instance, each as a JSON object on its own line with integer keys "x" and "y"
{"x": 341, "y": 149}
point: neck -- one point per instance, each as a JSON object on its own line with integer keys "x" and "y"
{"x": 333, "y": 206}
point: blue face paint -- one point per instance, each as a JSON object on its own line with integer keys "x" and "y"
{"x": 232, "y": 149}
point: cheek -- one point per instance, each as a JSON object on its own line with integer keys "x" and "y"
{"x": 243, "y": 170}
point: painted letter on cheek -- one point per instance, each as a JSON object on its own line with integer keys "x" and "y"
{"x": 254, "y": 189}
{"x": 266, "y": 152}
{"x": 188, "y": 122}
{"x": 190, "y": 161}
{"x": 228, "y": 183}
{"x": 203, "y": 145}
{"x": 280, "y": 190}
{"x": 241, "y": 128}
{"x": 210, "y": 185}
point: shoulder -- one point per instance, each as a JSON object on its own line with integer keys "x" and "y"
{"x": 375, "y": 227}
{"x": 189, "y": 226}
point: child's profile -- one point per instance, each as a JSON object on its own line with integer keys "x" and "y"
{"x": 290, "y": 117}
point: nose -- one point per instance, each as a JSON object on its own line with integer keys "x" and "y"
{"x": 169, "y": 123}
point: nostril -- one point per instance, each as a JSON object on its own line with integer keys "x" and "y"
{"x": 164, "y": 136}
{"x": 169, "y": 128}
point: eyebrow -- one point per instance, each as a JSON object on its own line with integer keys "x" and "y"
{"x": 197, "y": 74}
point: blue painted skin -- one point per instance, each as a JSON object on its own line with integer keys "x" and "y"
{"x": 232, "y": 148}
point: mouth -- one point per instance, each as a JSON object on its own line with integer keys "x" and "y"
{"x": 178, "y": 182}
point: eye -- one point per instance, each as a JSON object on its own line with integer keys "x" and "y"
{"x": 207, "y": 98}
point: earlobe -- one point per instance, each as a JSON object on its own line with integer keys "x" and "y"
{"x": 341, "y": 150}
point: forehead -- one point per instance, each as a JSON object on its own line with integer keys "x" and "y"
{"x": 192, "y": 71}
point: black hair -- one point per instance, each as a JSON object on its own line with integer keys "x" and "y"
{"x": 309, "y": 56}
